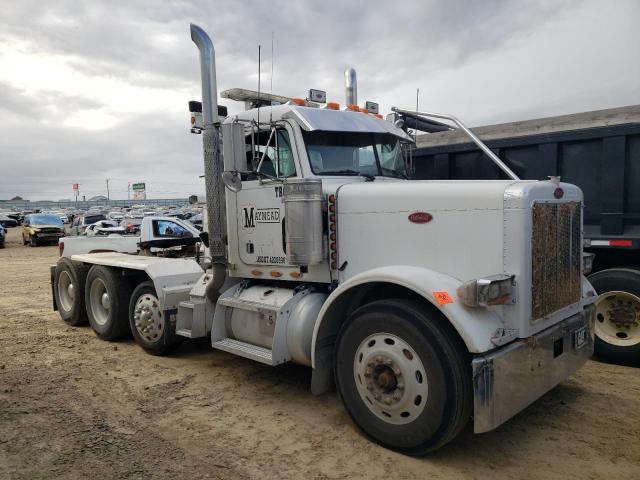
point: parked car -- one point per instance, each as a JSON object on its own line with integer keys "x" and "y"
{"x": 196, "y": 220}
{"x": 3, "y": 235}
{"x": 8, "y": 222}
{"x": 104, "y": 227}
{"x": 131, "y": 225}
{"x": 80, "y": 224}
{"x": 41, "y": 228}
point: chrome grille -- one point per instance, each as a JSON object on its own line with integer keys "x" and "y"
{"x": 556, "y": 254}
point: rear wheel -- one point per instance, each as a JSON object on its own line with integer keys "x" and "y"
{"x": 69, "y": 281}
{"x": 149, "y": 324}
{"x": 617, "y": 325}
{"x": 33, "y": 242}
{"x": 107, "y": 298}
{"x": 403, "y": 376}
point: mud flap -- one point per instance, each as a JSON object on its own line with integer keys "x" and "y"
{"x": 52, "y": 272}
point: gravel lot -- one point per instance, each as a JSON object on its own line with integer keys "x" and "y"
{"x": 73, "y": 406}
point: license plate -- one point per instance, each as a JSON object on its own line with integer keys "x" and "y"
{"x": 579, "y": 337}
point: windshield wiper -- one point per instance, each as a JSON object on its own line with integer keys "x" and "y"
{"x": 367, "y": 176}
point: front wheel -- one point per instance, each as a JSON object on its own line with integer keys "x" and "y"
{"x": 149, "y": 324}
{"x": 404, "y": 377}
{"x": 617, "y": 325}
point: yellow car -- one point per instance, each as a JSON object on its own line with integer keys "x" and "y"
{"x": 40, "y": 228}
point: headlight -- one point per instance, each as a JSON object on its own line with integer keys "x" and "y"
{"x": 486, "y": 291}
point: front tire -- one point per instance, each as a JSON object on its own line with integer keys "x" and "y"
{"x": 69, "y": 282}
{"x": 107, "y": 300}
{"x": 404, "y": 376}
{"x": 149, "y": 325}
{"x": 617, "y": 325}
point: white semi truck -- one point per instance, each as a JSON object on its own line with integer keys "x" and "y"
{"x": 425, "y": 303}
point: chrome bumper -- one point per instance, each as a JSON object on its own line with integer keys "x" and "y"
{"x": 507, "y": 380}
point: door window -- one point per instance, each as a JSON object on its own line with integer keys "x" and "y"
{"x": 168, "y": 229}
{"x": 271, "y": 153}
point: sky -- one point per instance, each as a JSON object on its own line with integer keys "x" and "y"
{"x": 97, "y": 90}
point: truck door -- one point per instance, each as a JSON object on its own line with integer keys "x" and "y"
{"x": 260, "y": 204}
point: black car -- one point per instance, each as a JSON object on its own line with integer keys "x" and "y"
{"x": 3, "y": 235}
{"x": 8, "y": 222}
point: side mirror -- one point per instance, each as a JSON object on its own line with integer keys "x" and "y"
{"x": 233, "y": 147}
{"x": 204, "y": 236}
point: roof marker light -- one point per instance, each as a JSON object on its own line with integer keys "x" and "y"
{"x": 332, "y": 106}
{"x": 297, "y": 101}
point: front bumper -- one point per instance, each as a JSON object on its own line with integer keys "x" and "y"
{"x": 509, "y": 379}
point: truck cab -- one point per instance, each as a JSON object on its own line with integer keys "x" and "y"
{"x": 424, "y": 303}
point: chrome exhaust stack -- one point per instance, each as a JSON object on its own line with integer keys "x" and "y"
{"x": 351, "y": 86}
{"x": 213, "y": 168}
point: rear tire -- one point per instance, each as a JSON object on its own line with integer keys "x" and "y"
{"x": 404, "y": 376}
{"x": 106, "y": 298}
{"x": 617, "y": 325}
{"x": 69, "y": 283}
{"x": 33, "y": 242}
{"x": 149, "y": 325}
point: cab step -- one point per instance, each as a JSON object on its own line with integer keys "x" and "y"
{"x": 243, "y": 349}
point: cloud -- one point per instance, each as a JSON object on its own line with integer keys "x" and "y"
{"x": 96, "y": 90}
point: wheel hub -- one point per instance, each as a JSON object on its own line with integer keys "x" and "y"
{"x": 390, "y": 378}
{"x": 618, "y": 318}
{"x": 104, "y": 300}
{"x": 148, "y": 317}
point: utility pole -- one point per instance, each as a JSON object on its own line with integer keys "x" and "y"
{"x": 128, "y": 191}
{"x": 108, "y": 197}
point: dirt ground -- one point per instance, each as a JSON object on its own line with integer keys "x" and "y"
{"x": 73, "y": 406}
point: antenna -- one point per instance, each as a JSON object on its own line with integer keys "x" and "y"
{"x": 259, "y": 47}
{"x": 271, "y": 78}
{"x": 415, "y": 131}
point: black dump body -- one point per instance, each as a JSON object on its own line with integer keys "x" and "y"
{"x": 598, "y": 151}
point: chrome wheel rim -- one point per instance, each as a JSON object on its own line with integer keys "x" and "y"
{"x": 390, "y": 378}
{"x": 66, "y": 291}
{"x": 148, "y": 317}
{"x": 618, "y": 318}
{"x": 100, "y": 301}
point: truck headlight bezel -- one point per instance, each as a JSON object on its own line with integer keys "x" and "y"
{"x": 488, "y": 291}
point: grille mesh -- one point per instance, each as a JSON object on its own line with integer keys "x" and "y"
{"x": 556, "y": 257}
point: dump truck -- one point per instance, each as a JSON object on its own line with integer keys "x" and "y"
{"x": 600, "y": 152}
{"x": 425, "y": 304}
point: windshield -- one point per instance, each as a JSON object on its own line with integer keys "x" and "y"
{"x": 45, "y": 220}
{"x": 345, "y": 153}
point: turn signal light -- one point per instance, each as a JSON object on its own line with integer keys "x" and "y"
{"x": 587, "y": 262}
{"x": 487, "y": 291}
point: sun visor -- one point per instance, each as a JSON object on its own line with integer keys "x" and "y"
{"x": 327, "y": 120}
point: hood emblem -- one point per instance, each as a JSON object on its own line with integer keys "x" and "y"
{"x": 420, "y": 217}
